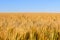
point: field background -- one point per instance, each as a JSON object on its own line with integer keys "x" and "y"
{"x": 29, "y": 26}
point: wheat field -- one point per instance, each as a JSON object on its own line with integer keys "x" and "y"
{"x": 34, "y": 26}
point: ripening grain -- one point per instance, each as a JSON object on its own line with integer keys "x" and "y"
{"x": 30, "y": 26}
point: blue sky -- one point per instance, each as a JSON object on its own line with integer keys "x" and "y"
{"x": 29, "y": 5}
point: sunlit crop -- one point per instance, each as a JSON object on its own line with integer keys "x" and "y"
{"x": 30, "y": 27}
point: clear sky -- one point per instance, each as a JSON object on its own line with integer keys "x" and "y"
{"x": 29, "y": 5}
